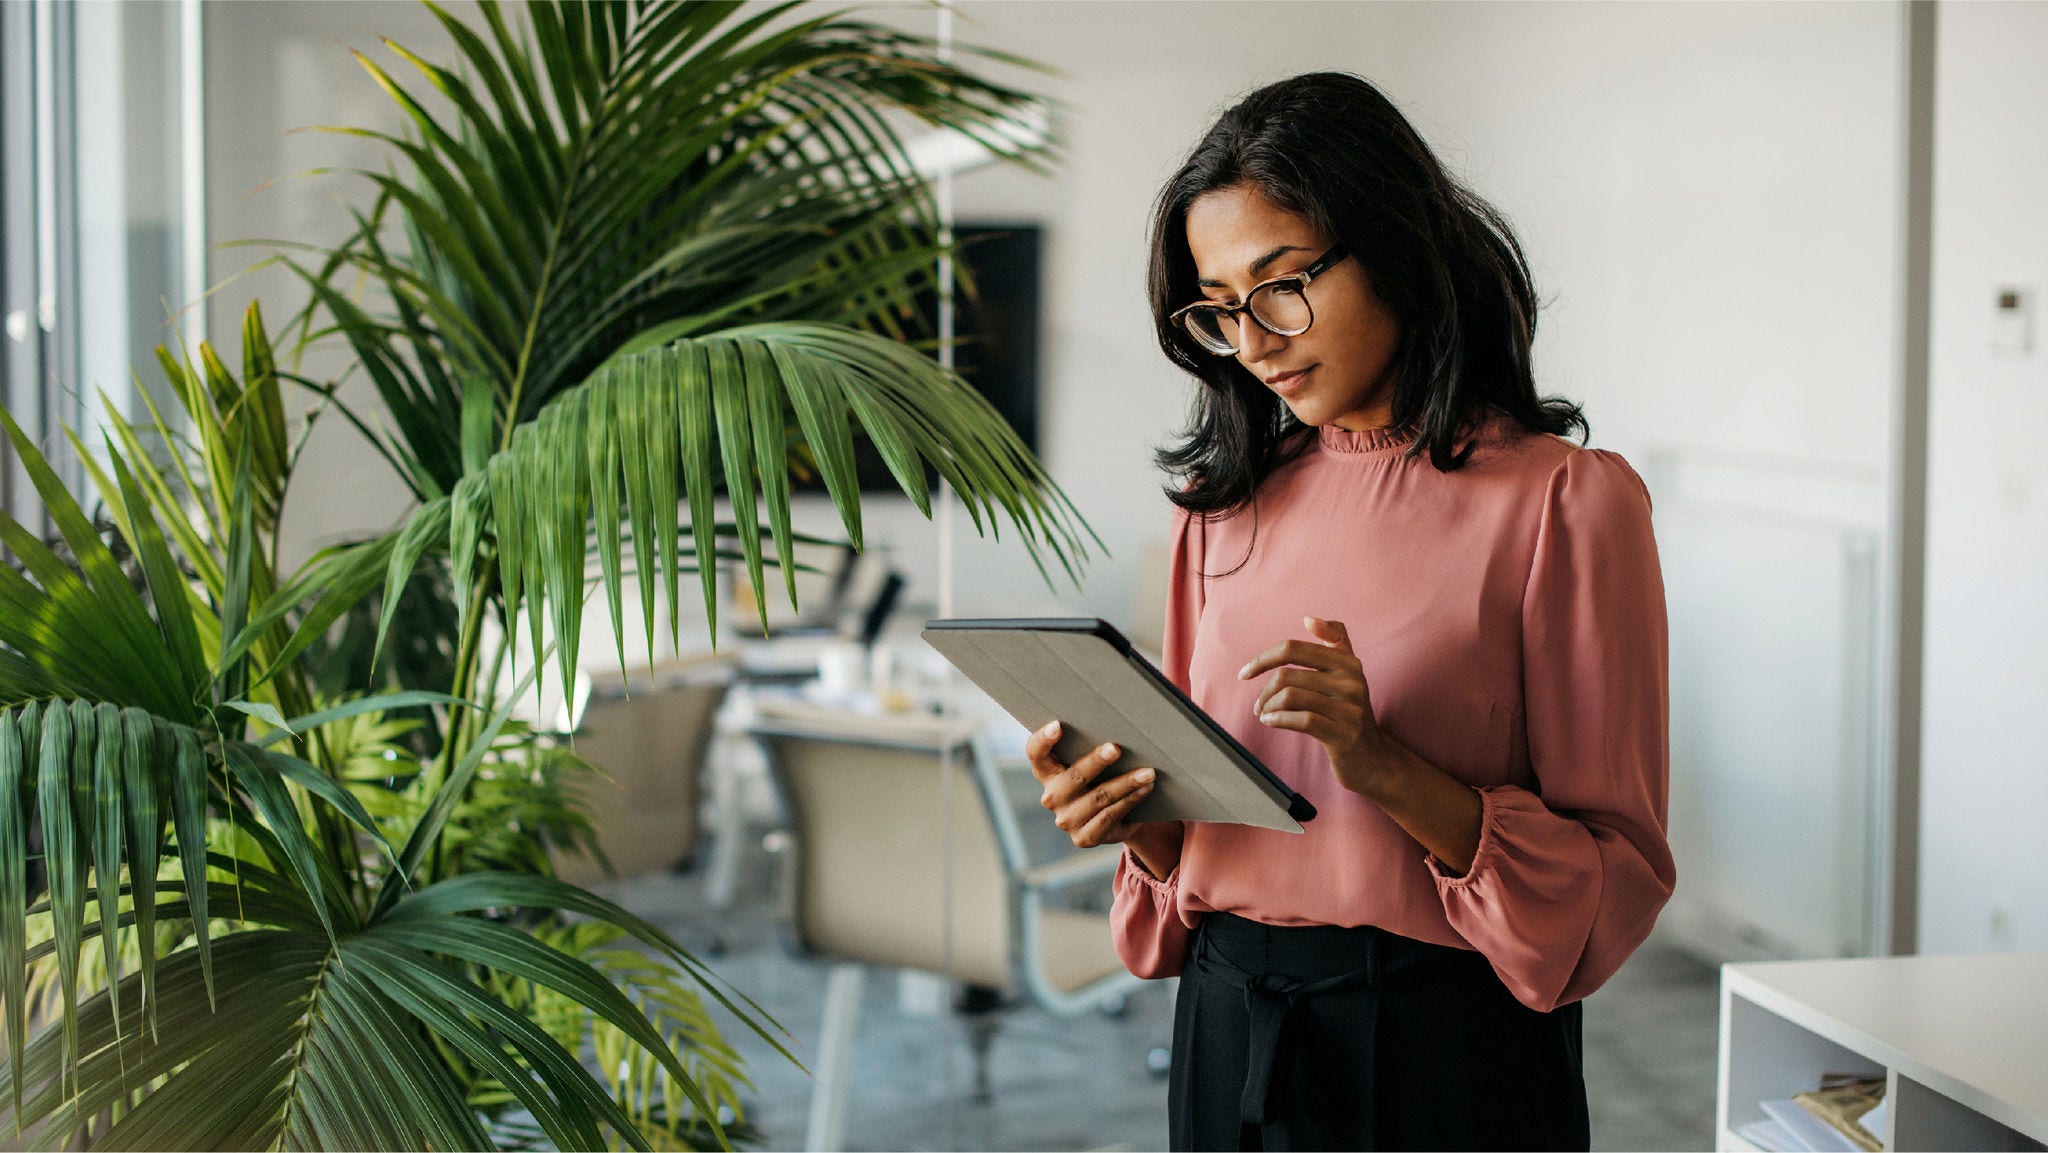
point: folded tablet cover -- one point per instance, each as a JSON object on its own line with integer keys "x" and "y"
{"x": 1084, "y": 674}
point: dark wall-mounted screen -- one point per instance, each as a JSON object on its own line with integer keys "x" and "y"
{"x": 998, "y": 331}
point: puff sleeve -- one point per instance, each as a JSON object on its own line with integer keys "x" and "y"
{"x": 1571, "y": 873}
{"x": 1150, "y": 934}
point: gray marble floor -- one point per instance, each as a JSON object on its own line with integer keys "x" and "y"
{"x": 1083, "y": 1083}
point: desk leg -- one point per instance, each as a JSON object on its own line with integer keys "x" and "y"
{"x": 827, "y": 1131}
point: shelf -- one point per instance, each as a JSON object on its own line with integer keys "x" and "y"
{"x": 1958, "y": 1038}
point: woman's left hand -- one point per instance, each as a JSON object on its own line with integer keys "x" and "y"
{"x": 1320, "y": 690}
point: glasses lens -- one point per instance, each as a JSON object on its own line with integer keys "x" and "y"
{"x": 1206, "y": 325}
{"x": 1282, "y": 308}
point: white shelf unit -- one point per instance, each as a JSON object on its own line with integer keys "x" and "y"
{"x": 1962, "y": 1042}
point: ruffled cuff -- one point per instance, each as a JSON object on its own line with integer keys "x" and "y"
{"x": 1531, "y": 899}
{"x": 1145, "y": 920}
{"x": 1132, "y": 872}
{"x": 1483, "y": 859}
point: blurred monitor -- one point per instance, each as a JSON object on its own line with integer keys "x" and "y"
{"x": 997, "y": 330}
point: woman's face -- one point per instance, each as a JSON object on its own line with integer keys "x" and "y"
{"x": 1339, "y": 371}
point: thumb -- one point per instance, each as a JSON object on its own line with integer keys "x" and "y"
{"x": 1332, "y": 633}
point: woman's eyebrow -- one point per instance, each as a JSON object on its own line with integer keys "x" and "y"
{"x": 1257, "y": 266}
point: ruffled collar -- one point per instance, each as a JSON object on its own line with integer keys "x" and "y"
{"x": 1374, "y": 440}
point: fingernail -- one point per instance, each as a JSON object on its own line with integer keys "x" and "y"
{"x": 1267, "y": 718}
{"x": 1108, "y": 750}
{"x": 1244, "y": 672}
{"x": 1051, "y": 729}
{"x": 1143, "y": 776}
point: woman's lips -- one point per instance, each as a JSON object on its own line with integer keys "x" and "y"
{"x": 1289, "y": 383}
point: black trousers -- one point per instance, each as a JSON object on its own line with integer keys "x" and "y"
{"x": 1320, "y": 1037}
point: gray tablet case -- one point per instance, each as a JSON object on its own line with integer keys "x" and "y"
{"x": 1083, "y": 673}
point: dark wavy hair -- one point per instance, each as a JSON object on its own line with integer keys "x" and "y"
{"x": 1331, "y": 147}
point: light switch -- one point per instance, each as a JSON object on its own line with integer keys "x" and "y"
{"x": 2012, "y": 322}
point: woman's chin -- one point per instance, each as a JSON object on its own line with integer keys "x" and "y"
{"x": 1309, "y": 412}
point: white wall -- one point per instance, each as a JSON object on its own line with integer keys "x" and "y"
{"x": 1984, "y": 860}
{"x": 1708, "y": 195}
{"x": 276, "y": 70}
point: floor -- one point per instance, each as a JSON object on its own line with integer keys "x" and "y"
{"x": 1084, "y": 1083}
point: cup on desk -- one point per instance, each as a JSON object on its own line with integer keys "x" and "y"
{"x": 842, "y": 668}
{"x": 891, "y": 678}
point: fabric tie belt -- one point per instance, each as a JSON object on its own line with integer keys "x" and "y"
{"x": 1285, "y": 967}
{"x": 1272, "y": 1001}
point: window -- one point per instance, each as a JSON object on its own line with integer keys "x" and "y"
{"x": 97, "y": 236}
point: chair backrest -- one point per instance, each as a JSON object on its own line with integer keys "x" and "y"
{"x": 878, "y": 853}
{"x": 651, "y": 745}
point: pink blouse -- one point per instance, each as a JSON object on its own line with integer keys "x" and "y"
{"x": 1510, "y": 618}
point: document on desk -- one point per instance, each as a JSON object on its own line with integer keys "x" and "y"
{"x": 1083, "y": 673}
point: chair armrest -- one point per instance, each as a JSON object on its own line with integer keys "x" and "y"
{"x": 1085, "y": 865}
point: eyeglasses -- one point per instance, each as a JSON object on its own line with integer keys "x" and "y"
{"x": 1280, "y": 306}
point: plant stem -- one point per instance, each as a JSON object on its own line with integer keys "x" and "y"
{"x": 462, "y": 723}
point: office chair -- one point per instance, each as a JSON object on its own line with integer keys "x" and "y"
{"x": 870, "y": 881}
{"x": 649, "y": 732}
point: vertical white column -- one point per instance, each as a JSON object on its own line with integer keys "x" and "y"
{"x": 51, "y": 406}
{"x": 1897, "y": 930}
{"x": 192, "y": 170}
{"x": 104, "y": 356}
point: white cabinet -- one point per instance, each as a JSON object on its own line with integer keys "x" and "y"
{"x": 1961, "y": 1041}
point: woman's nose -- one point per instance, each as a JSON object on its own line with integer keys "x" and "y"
{"x": 1254, "y": 343}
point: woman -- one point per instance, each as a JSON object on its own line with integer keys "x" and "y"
{"x": 1399, "y": 587}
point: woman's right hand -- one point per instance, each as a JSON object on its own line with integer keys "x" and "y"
{"x": 1092, "y": 813}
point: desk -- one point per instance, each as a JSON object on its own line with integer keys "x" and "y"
{"x": 1962, "y": 1042}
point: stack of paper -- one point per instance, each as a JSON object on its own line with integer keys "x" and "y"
{"x": 1769, "y": 1136}
{"x": 1793, "y": 1126}
{"x": 1808, "y": 1132}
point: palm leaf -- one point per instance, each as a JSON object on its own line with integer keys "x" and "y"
{"x": 475, "y": 892}
{"x": 316, "y": 1043}
{"x": 63, "y": 857}
{"x": 302, "y": 1052}
{"x": 640, "y": 1078}
{"x": 549, "y": 208}
{"x": 17, "y": 730}
{"x": 732, "y": 390}
{"x": 85, "y": 627}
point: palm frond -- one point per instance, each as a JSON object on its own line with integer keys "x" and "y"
{"x": 86, "y": 630}
{"x": 639, "y": 1080}
{"x": 297, "y": 1050}
{"x": 728, "y": 397}
{"x": 707, "y": 158}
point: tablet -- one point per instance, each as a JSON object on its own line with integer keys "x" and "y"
{"x": 1084, "y": 674}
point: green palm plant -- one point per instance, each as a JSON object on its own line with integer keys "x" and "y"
{"x": 229, "y": 949}
{"x": 657, "y": 254}
{"x": 655, "y": 257}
